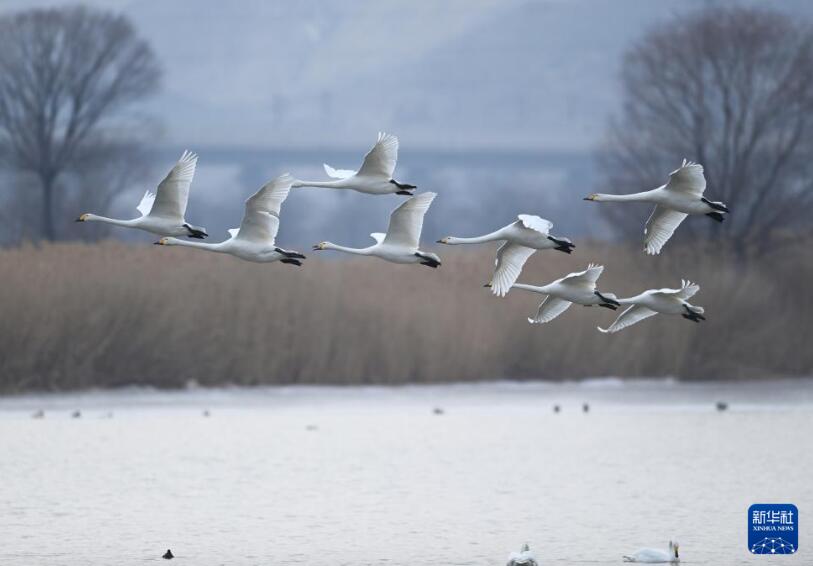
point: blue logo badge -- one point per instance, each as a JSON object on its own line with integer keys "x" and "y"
{"x": 773, "y": 528}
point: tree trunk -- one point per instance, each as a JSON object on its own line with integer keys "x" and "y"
{"x": 48, "y": 228}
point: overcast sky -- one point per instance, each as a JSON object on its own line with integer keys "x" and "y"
{"x": 452, "y": 74}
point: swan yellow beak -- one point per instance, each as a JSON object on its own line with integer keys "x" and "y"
{"x": 319, "y": 246}
{"x": 590, "y": 197}
{"x": 443, "y": 240}
{"x": 82, "y": 218}
{"x": 161, "y": 242}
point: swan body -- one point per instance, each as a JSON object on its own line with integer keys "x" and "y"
{"x": 579, "y": 288}
{"x": 656, "y": 555}
{"x": 375, "y": 175}
{"x": 522, "y": 558}
{"x": 681, "y": 196}
{"x": 655, "y": 301}
{"x": 401, "y": 242}
{"x": 520, "y": 240}
{"x": 162, "y": 212}
{"x": 254, "y": 239}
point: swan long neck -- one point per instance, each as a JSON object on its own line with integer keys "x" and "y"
{"x": 337, "y": 184}
{"x": 532, "y": 288}
{"x": 338, "y": 248}
{"x": 114, "y": 221}
{"x": 193, "y": 244}
{"x": 454, "y": 240}
{"x": 646, "y": 196}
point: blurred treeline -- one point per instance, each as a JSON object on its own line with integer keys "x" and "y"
{"x": 107, "y": 315}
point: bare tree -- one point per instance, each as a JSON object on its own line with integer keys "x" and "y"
{"x": 66, "y": 74}
{"x": 732, "y": 88}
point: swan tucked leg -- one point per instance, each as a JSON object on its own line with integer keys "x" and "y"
{"x": 692, "y": 315}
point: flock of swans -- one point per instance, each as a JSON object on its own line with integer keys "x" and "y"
{"x": 163, "y": 213}
{"x": 525, "y": 557}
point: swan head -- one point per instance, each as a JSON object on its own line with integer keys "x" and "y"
{"x": 592, "y": 196}
{"x": 449, "y": 240}
{"x": 163, "y": 242}
{"x": 83, "y": 217}
{"x": 321, "y": 246}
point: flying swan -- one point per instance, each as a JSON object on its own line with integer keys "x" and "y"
{"x": 162, "y": 212}
{"x": 400, "y": 243}
{"x": 655, "y": 555}
{"x": 577, "y": 288}
{"x": 520, "y": 240}
{"x": 375, "y": 175}
{"x": 254, "y": 239}
{"x": 674, "y": 201}
{"x": 522, "y": 558}
{"x": 654, "y": 301}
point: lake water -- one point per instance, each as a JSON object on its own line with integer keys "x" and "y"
{"x": 373, "y": 476}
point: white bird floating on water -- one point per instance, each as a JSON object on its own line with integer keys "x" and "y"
{"x": 162, "y": 212}
{"x": 254, "y": 240}
{"x": 681, "y": 196}
{"x": 522, "y": 558}
{"x": 520, "y": 240}
{"x": 655, "y": 555}
{"x": 654, "y": 301}
{"x": 577, "y": 288}
{"x": 400, "y": 243}
{"x": 375, "y": 175}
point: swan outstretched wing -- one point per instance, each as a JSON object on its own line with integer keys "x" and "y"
{"x": 587, "y": 277}
{"x": 688, "y": 178}
{"x": 145, "y": 205}
{"x": 406, "y": 221}
{"x": 261, "y": 219}
{"x": 659, "y": 228}
{"x": 510, "y": 259}
{"x": 380, "y": 161}
{"x": 173, "y": 192}
{"x": 338, "y": 173}
{"x": 633, "y": 315}
{"x": 549, "y": 309}
{"x": 536, "y": 223}
{"x": 687, "y": 290}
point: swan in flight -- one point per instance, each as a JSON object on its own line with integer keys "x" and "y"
{"x": 400, "y": 243}
{"x": 577, "y": 288}
{"x": 520, "y": 240}
{"x": 254, "y": 239}
{"x": 375, "y": 175}
{"x": 522, "y": 558}
{"x": 654, "y": 301}
{"x": 162, "y": 212}
{"x": 656, "y": 555}
{"x": 674, "y": 201}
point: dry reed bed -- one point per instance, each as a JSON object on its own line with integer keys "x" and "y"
{"x": 106, "y": 315}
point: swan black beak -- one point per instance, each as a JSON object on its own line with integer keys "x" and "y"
{"x": 487, "y": 285}
{"x": 316, "y": 248}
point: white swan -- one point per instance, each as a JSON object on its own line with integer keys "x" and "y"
{"x": 254, "y": 240}
{"x": 654, "y": 301}
{"x": 655, "y": 555}
{"x": 375, "y": 175}
{"x": 522, "y": 558}
{"x": 163, "y": 212}
{"x": 520, "y": 240}
{"x": 681, "y": 196}
{"x": 400, "y": 243}
{"x": 577, "y": 288}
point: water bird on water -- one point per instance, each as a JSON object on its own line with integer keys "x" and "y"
{"x": 254, "y": 239}
{"x": 721, "y": 405}
{"x": 681, "y": 196}
{"x": 401, "y": 242}
{"x": 654, "y": 301}
{"x": 655, "y": 555}
{"x": 520, "y": 240}
{"x": 39, "y": 414}
{"x": 556, "y": 408}
{"x": 162, "y": 212}
{"x": 375, "y": 175}
{"x": 76, "y": 414}
{"x": 168, "y": 555}
{"x": 585, "y": 408}
{"x": 522, "y": 558}
{"x": 438, "y": 411}
{"x": 579, "y": 288}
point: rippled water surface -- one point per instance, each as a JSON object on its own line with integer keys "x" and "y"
{"x": 373, "y": 476}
